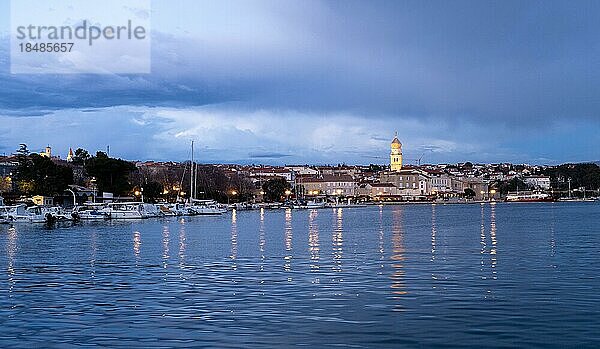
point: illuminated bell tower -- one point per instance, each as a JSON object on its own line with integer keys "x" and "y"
{"x": 396, "y": 154}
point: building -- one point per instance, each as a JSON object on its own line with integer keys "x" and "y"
{"x": 411, "y": 182}
{"x": 538, "y": 182}
{"x": 43, "y": 200}
{"x": 47, "y": 152}
{"x": 396, "y": 154}
{"x": 340, "y": 185}
{"x": 439, "y": 182}
{"x": 70, "y": 156}
{"x": 378, "y": 190}
{"x": 302, "y": 170}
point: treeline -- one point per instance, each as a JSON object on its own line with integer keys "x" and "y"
{"x": 39, "y": 175}
{"x": 586, "y": 175}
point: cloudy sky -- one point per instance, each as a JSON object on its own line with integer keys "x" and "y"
{"x": 329, "y": 82}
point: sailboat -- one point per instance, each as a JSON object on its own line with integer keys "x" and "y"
{"x": 196, "y": 206}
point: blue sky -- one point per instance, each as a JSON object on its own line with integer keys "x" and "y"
{"x": 330, "y": 82}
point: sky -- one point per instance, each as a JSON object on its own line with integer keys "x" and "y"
{"x": 328, "y": 82}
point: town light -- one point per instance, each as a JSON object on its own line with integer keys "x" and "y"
{"x": 288, "y": 192}
{"x": 182, "y": 193}
{"x": 493, "y": 191}
{"x": 137, "y": 193}
{"x": 262, "y": 193}
{"x": 233, "y": 192}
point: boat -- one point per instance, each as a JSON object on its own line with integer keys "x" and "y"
{"x": 131, "y": 210}
{"x": 308, "y": 204}
{"x": 206, "y": 207}
{"x": 529, "y": 197}
{"x": 176, "y": 209}
{"x": 56, "y": 214}
{"x": 576, "y": 199}
{"x": 22, "y": 214}
{"x": 90, "y": 212}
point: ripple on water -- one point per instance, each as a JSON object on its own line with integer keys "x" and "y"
{"x": 424, "y": 275}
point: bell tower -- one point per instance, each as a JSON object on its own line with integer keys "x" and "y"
{"x": 396, "y": 154}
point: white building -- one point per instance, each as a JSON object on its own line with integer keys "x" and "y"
{"x": 538, "y": 182}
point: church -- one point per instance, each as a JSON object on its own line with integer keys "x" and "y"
{"x": 396, "y": 154}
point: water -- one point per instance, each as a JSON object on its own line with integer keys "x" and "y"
{"x": 497, "y": 275}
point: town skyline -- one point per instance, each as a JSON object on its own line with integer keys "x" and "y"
{"x": 262, "y": 84}
{"x": 381, "y": 160}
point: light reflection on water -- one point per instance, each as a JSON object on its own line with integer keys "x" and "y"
{"x": 398, "y": 273}
{"x": 287, "y": 265}
{"x": 484, "y": 275}
{"x": 313, "y": 242}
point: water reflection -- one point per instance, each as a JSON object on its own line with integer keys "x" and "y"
{"x": 433, "y": 236}
{"x": 287, "y": 264}
{"x": 398, "y": 274}
{"x": 182, "y": 243}
{"x": 234, "y": 239}
{"x": 338, "y": 239}
{"x": 381, "y": 240}
{"x": 11, "y": 251}
{"x": 94, "y": 252}
{"x": 313, "y": 242}
{"x": 489, "y": 245}
{"x": 137, "y": 244}
{"x": 165, "y": 243}
{"x": 493, "y": 249}
{"x": 482, "y": 241}
{"x": 261, "y": 238}
{"x": 552, "y": 233}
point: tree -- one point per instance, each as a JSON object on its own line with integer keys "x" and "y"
{"x": 470, "y": 193}
{"x": 112, "y": 175}
{"x": 81, "y": 156}
{"x": 275, "y": 189}
{"x": 5, "y": 185}
{"x": 152, "y": 191}
{"x": 514, "y": 184}
{"x": 39, "y": 175}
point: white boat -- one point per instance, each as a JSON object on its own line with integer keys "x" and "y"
{"x": 207, "y": 207}
{"x": 308, "y": 204}
{"x": 22, "y": 214}
{"x": 131, "y": 210}
{"x": 176, "y": 209}
{"x": 90, "y": 212}
{"x": 56, "y": 214}
{"x": 3, "y": 217}
{"x": 529, "y": 197}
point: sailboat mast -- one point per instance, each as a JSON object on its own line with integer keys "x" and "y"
{"x": 192, "y": 174}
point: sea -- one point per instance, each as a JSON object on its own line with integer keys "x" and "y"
{"x": 489, "y": 275}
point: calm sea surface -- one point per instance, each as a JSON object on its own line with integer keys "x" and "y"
{"x": 498, "y": 275}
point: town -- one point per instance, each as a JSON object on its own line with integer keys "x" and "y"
{"x": 46, "y": 179}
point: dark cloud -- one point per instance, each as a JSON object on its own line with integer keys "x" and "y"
{"x": 460, "y": 66}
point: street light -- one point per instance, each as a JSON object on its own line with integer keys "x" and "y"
{"x": 233, "y": 193}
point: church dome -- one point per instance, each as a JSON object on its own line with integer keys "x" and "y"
{"x": 396, "y": 143}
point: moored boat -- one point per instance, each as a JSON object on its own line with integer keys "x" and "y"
{"x": 529, "y": 197}
{"x": 206, "y": 207}
{"x": 131, "y": 210}
{"x": 22, "y": 214}
{"x": 90, "y": 212}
